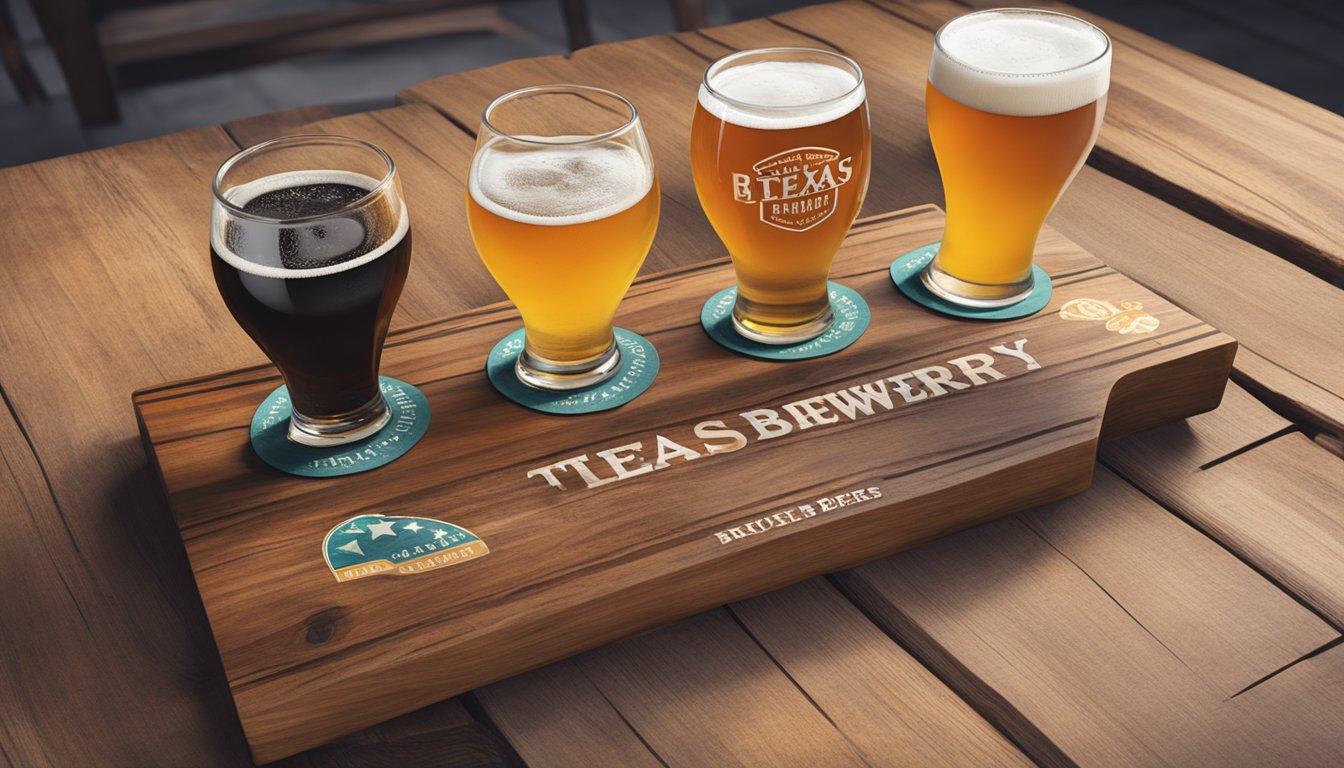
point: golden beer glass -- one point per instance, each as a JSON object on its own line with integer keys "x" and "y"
{"x": 1015, "y": 99}
{"x": 780, "y": 156}
{"x": 563, "y": 203}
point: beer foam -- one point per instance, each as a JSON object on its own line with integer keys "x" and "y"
{"x": 561, "y": 184}
{"x": 781, "y": 95}
{"x": 242, "y": 194}
{"x": 1019, "y": 62}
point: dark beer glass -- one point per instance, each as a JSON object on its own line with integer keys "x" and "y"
{"x": 310, "y": 245}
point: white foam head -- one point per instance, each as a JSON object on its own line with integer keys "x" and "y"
{"x": 1021, "y": 62}
{"x": 776, "y": 94}
{"x": 242, "y": 194}
{"x": 559, "y": 184}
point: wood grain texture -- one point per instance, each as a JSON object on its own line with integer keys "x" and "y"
{"x": 1282, "y": 315}
{"x": 556, "y": 717}
{"x": 688, "y": 705}
{"x": 246, "y": 131}
{"x": 444, "y": 735}
{"x": 640, "y": 564}
{"x": 98, "y": 607}
{"x": 1279, "y": 505}
{"x": 1312, "y": 690}
{"x": 1211, "y": 141}
{"x": 888, "y": 705}
{"x": 694, "y": 693}
{"x": 1078, "y": 638}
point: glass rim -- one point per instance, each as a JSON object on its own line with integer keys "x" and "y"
{"x": 938, "y": 41}
{"x": 720, "y": 62}
{"x": 559, "y": 141}
{"x": 296, "y": 140}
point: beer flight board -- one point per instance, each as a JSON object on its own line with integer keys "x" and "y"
{"x": 508, "y": 539}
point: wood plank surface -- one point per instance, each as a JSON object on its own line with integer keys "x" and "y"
{"x": 639, "y": 564}
{"x": 104, "y": 268}
{"x": 1024, "y": 618}
{"x": 246, "y": 131}
{"x": 1211, "y": 141}
{"x": 759, "y": 674}
{"x": 689, "y": 705}
{"x": 1279, "y": 506}
{"x": 890, "y": 707}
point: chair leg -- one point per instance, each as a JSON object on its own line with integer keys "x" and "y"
{"x": 25, "y": 81}
{"x": 690, "y": 14}
{"x": 69, "y": 28}
{"x": 576, "y": 23}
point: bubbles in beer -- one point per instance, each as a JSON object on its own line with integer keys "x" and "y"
{"x": 1022, "y": 63}
{"x": 781, "y": 95}
{"x": 309, "y": 249}
{"x": 560, "y": 186}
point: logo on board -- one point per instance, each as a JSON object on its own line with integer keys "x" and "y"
{"x": 796, "y": 189}
{"x": 374, "y": 545}
{"x": 1127, "y": 318}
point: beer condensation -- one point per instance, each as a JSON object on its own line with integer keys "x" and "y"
{"x": 1015, "y": 101}
{"x": 317, "y": 297}
{"x": 781, "y": 169}
{"x": 563, "y": 231}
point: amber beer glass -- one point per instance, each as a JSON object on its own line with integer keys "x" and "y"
{"x": 563, "y": 203}
{"x": 780, "y": 155}
{"x": 310, "y": 245}
{"x": 1015, "y": 99}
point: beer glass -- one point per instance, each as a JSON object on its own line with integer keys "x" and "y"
{"x": 562, "y": 202}
{"x": 780, "y": 155}
{"x": 310, "y": 245}
{"x": 1014, "y": 100}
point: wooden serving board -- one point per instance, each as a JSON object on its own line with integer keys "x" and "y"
{"x": 770, "y": 473}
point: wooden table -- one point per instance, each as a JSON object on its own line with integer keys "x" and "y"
{"x": 1187, "y": 609}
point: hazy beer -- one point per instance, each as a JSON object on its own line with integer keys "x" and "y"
{"x": 563, "y": 221}
{"x": 1015, "y": 100}
{"x": 780, "y": 155}
{"x": 310, "y": 245}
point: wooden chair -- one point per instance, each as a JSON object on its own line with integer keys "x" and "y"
{"x": 16, "y": 65}
{"x": 101, "y": 44}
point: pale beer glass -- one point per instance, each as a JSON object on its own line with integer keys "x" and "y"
{"x": 780, "y": 155}
{"x": 563, "y": 203}
{"x": 1014, "y": 99}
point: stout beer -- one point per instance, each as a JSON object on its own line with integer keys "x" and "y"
{"x": 311, "y": 264}
{"x": 780, "y": 155}
{"x": 1014, "y": 99}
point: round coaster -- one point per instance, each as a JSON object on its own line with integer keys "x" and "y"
{"x": 639, "y": 366}
{"x": 851, "y": 320}
{"x": 905, "y": 273}
{"x": 270, "y": 425}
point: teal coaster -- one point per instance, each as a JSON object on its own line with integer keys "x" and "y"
{"x": 270, "y": 425}
{"x": 639, "y": 366}
{"x": 905, "y": 273}
{"x": 851, "y": 320}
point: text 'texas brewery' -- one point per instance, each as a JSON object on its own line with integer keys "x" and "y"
{"x": 796, "y": 189}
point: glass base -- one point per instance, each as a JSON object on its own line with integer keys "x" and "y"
{"x": 346, "y": 428}
{"x": 969, "y": 294}
{"x": 538, "y": 372}
{"x": 783, "y": 335}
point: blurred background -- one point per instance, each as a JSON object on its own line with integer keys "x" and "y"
{"x": 83, "y": 74}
